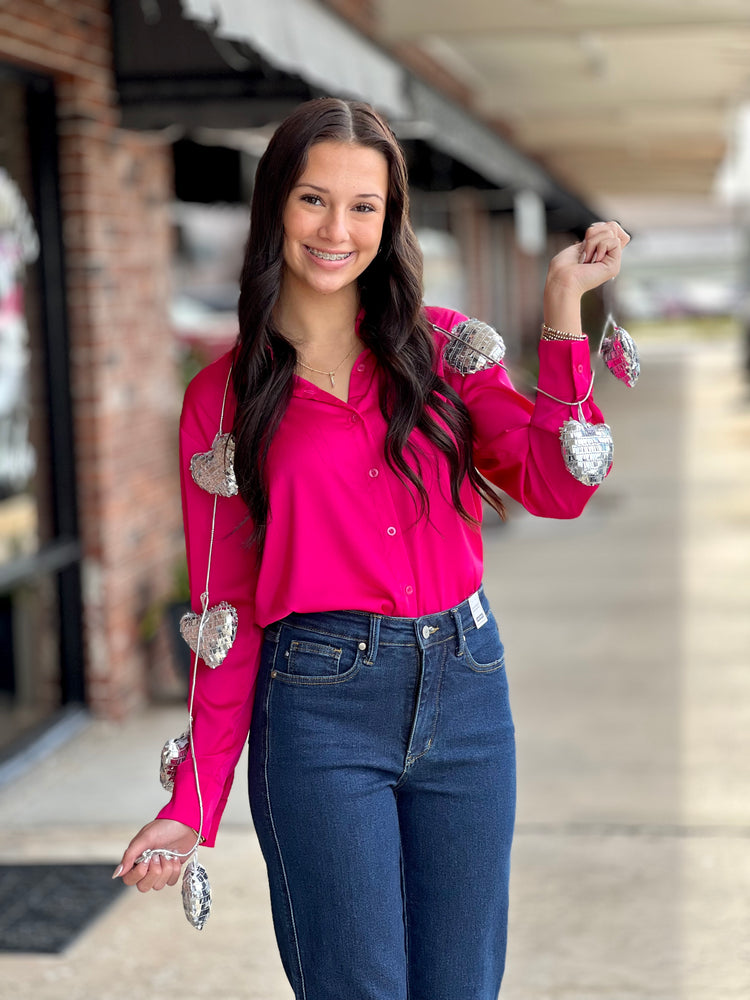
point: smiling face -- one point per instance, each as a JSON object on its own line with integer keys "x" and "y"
{"x": 333, "y": 219}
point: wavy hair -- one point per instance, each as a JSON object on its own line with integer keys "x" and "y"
{"x": 395, "y": 327}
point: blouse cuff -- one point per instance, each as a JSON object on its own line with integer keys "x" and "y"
{"x": 184, "y": 806}
{"x": 565, "y": 369}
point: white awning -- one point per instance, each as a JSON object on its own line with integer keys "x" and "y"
{"x": 305, "y": 39}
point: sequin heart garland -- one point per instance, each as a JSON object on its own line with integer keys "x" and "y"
{"x": 213, "y": 470}
{"x": 587, "y": 450}
{"x": 473, "y": 346}
{"x": 174, "y": 753}
{"x": 217, "y": 635}
{"x": 196, "y": 893}
{"x": 620, "y": 355}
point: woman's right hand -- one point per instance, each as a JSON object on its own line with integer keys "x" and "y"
{"x": 158, "y": 871}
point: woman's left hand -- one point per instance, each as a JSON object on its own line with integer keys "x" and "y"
{"x": 583, "y": 266}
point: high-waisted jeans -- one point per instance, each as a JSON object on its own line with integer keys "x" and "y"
{"x": 382, "y": 786}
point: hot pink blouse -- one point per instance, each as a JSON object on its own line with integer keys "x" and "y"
{"x": 344, "y": 531}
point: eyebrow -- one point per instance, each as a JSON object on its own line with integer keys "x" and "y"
{"x": 323, "y": 190}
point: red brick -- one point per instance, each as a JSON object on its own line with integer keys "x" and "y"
{"x": 115, "y": 187}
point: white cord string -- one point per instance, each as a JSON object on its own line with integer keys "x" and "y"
{"x": 494, "y": 361}
{"x": 224, "y": 400}
{"x": 610, "y": 321}
{"x": 204, "y": 614}
{"x": 564, "y": 402}
{"x": 164, "y": 852}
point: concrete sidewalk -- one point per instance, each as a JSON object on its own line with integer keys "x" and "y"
{"x": 627, "y": 634}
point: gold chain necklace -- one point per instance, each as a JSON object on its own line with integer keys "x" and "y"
{"x": 331, "y": 373}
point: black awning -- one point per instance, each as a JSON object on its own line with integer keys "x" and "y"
{"x": 174, "y": 71}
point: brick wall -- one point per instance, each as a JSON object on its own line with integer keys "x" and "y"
{"x": 115, "y": 190}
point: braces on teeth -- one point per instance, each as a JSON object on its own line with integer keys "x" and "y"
{"x": 329, "y": 256}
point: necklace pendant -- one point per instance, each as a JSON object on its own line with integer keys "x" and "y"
{"x": 333, "y": 381}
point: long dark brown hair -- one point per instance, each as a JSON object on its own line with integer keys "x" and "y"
{"x": 394, "y": 327}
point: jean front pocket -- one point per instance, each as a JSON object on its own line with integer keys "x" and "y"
{"x": 483, "y": 649}
{"x": 304, "y": 661}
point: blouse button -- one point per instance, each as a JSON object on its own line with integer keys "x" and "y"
{"x": 360, "y": 368}
{"x": 374, "y": 473}
{"x": 354, "y": 418}
{"x": 580, "y": 368}
{"x": 391, "y": 530}
{"x": 409, "y": 589}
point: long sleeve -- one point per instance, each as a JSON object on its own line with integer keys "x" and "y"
{"x": 517, "y": 442}
{"x": 224, "y": 694}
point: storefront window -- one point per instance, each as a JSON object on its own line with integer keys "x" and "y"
{"x": 31, "y": 650}
{"x": 19, "y": 248}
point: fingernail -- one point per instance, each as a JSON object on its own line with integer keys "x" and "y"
{"x": 117, "y": 871}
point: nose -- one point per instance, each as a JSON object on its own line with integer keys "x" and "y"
{"x": 333, "y": 227}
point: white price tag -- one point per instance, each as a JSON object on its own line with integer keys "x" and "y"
{"x": 477, "y": 611}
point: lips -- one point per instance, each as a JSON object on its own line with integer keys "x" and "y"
{"x": 324, "y": 255}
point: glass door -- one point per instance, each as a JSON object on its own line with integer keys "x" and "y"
{"x": 40, "y": 648}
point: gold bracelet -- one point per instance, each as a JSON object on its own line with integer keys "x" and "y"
{"x": 549, "y": 334}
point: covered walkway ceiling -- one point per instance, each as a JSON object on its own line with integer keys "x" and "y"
{"x": 616, "y": 97}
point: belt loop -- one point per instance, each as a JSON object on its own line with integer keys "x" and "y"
{"x": 460, "y": 640}
{"x": 372, "y": 640}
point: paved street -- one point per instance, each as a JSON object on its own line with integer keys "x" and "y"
{"x": 626, "y": 634}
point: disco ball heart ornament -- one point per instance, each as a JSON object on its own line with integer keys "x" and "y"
{"x": 620, "y": 355}
{"x": 196, "y": 893}
{"x": 473, "y": 346}
{"x": 215, "y": 637}
{"x": 587, "y": 450}
{"x": 173, "y": 754}
{"x": 213, "y": 470}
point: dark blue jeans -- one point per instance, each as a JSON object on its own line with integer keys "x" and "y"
{"x": 382, "y": 786}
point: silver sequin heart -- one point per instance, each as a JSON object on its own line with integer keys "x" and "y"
{"x": 173, "y": 753}
{"x": 213, "y": 470}
{"x": 587, "y": 450}
{"x": 196, "y": 893}
{"x": 473, "y": 347}
{"x": 621, "y": 356}
{"x": 217, "y": 636}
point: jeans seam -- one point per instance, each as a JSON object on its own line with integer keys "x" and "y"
{"x": 474, "y": 665}
{"x": 327, "y": 680}
{"x": 318, "y": 630}
{"x": 406, "y": 926}
{"x": 287, "y": 891}
{"x": 431, "y": 738}
{"x": 484, "y": 668}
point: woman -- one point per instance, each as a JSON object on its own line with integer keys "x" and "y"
{"x": 382, "y": 772}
